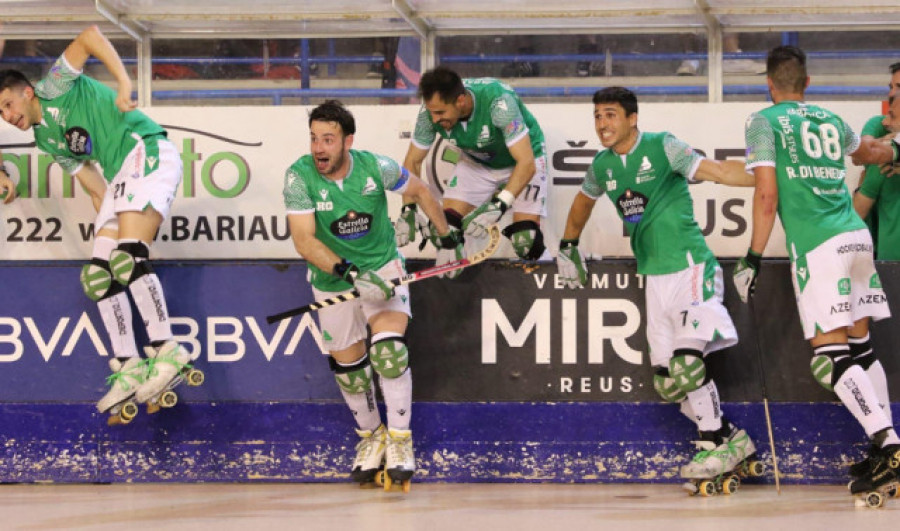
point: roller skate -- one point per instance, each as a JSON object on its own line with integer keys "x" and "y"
{"x": 400, "y": 463}
{"x": 123, "y": 384}
{"x": 167, "y": 367}
{"x": 718, "y": 468}
{"x": 369, "y": 459}
{"x": 881, "y": 481}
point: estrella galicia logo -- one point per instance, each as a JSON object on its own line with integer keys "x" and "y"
{"x": 79, "y": 141}
{"x": 632, "y": 205}
{"x": 352, "y": 226}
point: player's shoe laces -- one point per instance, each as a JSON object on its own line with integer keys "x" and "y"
{"x": 124, "y": 381}
{"x": 369, "y": 454}
{"x": 400, "y": 462}
{"x": 164, "y": 364}
{"x": 713, "y": 460}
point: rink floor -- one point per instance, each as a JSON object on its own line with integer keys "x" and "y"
{"x": 432, "y": 507}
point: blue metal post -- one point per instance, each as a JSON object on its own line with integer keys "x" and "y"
{"x": 790, "y": 38}
{"x": 304, "y": 67}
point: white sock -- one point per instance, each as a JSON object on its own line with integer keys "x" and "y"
{"x": 115, "y": 311}
{"x": 398, "y": 399}
{"x": 364, "y": 408}
{"x": 858, "y": 395}
{"x": 704, "y": 407}
{"x": 151, "y": 302}
{"x": 876, "y": 375}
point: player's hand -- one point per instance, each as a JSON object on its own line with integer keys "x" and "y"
{"x": 745, "y": 273}
{"x": 123, "y": 97}
{"x": 372, "y": 287}
{"x": 478, "y": 221}
{"x": 409, "y": 222}
{"x": 571, "y": 265}
{"x": 451, "y": 249}
{"x": 7, "y": 187}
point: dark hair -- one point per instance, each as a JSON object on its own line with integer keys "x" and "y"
{"x": 443, "y": 81}
{"x": 334, "y": 111}
{"x": 620, "y": 95}
{"x": 13, "y": 79}
{"x": 786, "y": 67}
{"x": 895, "y": 67}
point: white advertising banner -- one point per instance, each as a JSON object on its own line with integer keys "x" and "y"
{"x": 229, "y": 205}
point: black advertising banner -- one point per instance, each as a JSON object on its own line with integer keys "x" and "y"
{"x": 502, "y": 332}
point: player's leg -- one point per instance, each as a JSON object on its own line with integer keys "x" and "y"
{"x": 128, "y": 371}
{"x": 390, "y": 360}
{"x": 344, "y": 333}
{"x": 827, "y": 314}
{"x": 863, "y": 353}
{"x": 529, "y": 209}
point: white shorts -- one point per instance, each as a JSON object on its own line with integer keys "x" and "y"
{"x": 836, "y": 284}
{"x": 142, "y": 182}
{"x": 475, "y": 183}
{"x": 684, "y": 308}
{"x": 344, "y": 324}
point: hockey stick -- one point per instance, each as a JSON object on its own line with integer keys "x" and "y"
{"x": 480, "y": 256}
{"x": 765, "y": 395}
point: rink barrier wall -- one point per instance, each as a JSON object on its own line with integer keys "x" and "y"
{"x": 514, "y": 380}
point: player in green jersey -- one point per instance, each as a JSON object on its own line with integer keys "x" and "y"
{"x": 880, "y": 194}
{"x": 796, "y": 151}
{"x": 876, "y": 127}
{"x": 503, "y": 163}
{"x": 337, "y": 214}
{"x": 646, "y": 176}
{"x": 81, "y": 121}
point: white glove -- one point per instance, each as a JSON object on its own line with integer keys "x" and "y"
{"x": 372, "y": 287}
{"x": 571, "y": 265}
{"x": 478, "y": 221}
{"x": 745, "y": 273}
{"x": 409, "y": 222}
{"x": 451, "y": 249}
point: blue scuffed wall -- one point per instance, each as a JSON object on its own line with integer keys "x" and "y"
{"x": 484, "y": 442}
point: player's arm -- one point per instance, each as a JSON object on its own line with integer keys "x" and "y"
{"x": 91, "y": 42}
{"x": 303, "y": 234}
{"x": 7, "y": 186}
{"x": 862, "y": 204}
{"x": 765, "y": 206}
{"x": 873, "y": 151}
{"x": 525, "y": 166}
{"x": 93, "y": 183}
{"x": 579, "y": 214}
{"x": 570, "y": 263}
{"x": 727, "y": 172}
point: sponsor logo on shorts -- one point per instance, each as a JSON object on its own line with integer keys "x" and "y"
{"x": 843, "y": 286}
{"x": 841, "y": 307}
{"x": 875, "y": 298}
{"x": 352, "y": 226}
{"x": 854, "y": 248}
{"x": 875, "y": 281}
{"x": 631, "y": 205}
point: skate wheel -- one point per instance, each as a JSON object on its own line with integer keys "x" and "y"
{"x": 168, "y": 399}
{"x": 379, "y": 478}
{"x": 128, "y": 412}
{"x": 406, "y": 485}
{"x": 730, "y": 485}
{"x": 195, "y": 377}
{"x": 874, "y": 500}
{"x": 387, "y": 481}
{"x": 755, "y": 469}
{"x": 707, "y": 488}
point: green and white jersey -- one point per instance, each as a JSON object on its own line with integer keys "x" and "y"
{"x": 351, "y": 214}
{"x": 649, "y": 189}
{"x": 806, "y": 145}
{"x": 499, "y": 119}
{"x": 886, "y": 194}
{"x": 80, "y": 122}
{"x": 874, "y": 127}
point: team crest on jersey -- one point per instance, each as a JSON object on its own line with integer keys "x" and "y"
{"x": 79, "y": 141}
{"x": 352, "y": 225}
{"x": 631, "y": 205}
{"x": 370, "y": 186}
{"x": 484, "y": 138}
{"x": 645, "y": 172}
